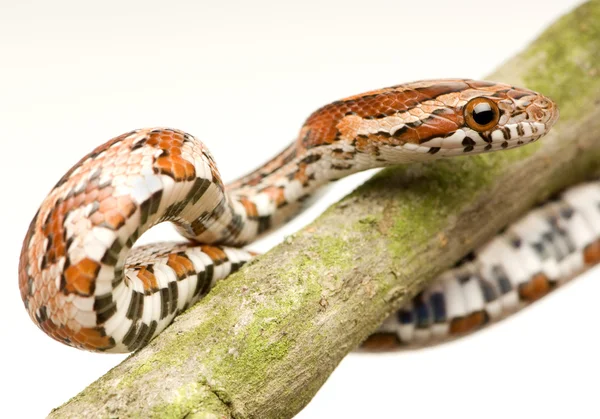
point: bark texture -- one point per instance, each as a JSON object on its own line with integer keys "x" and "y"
{"x": 264, "y": 341}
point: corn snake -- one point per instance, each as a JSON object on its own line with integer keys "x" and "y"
{"x": 84, "y": 285}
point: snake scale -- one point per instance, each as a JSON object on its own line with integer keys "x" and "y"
{"x": 85, "y": 285}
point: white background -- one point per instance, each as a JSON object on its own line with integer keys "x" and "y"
{"x": 242, "y": 76}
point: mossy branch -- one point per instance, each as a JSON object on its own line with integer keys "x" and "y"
{"x": 264, "y": 341}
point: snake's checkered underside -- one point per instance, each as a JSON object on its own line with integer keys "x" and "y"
{"x": 537, "y": 254}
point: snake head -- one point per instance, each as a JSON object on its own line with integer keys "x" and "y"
{"x": 432, "y": 119}
{"x": 496, "y": 114}
{"x": 486, "y": 116}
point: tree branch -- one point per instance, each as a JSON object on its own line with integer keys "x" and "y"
{"x": 264, "y": 341}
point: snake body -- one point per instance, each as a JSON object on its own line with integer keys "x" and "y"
{"x": 85, "y": 285}
{"x": 547, "y": 247}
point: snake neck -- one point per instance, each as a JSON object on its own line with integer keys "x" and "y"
{"x": 272, "y": 194}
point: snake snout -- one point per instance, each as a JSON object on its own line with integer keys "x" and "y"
{"x": 544, "y": 110}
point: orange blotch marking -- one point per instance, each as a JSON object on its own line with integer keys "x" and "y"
{"x": 148, "y": 279}
{"x": 91, "y": 338}
{"x": 171, "y": 162}
{"x": 53, "y": 226}
{"x": 215, "y": 253}
{"x": 468, "y": 323}
{"x": 80, "y": 277}
{"x": 53, "y": 229}
{"x": 591, "y": 254}
{"x": 320, "y": 128}
{"x": 163, "y": 164}
{"x": 536, "y": 288}
{"x": 181, "y": 264}
{"x": 276, "y": 194}
{"x": 249, "y": 206}
{"x": 380, "y": 342}
{"x": 180, "y": 171}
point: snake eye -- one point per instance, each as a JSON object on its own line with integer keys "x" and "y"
{"x": 481, "y": 114}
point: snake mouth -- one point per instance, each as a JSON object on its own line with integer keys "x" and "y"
{"x": 506, "y": 136}
{"x": 468, "y": 142}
